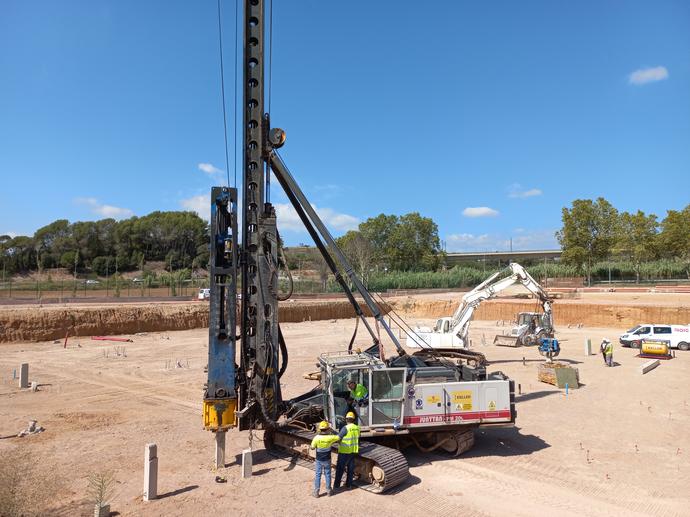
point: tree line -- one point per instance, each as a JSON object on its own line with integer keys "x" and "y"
{"x": 180, "y": 239}
{"x": 408, "y": 242}
{"x": 593, "y": 231}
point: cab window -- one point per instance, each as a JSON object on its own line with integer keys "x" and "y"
{"x": 642, "y": 330}
{"x": 662, "y": 330}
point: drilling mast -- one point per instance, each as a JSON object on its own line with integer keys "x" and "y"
{"x": 249, "y": 396}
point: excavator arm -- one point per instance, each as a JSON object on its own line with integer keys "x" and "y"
{"x": 490, "y": 288}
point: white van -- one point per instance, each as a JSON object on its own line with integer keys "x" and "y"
{"x": 678, "y": 336}
{"x": 204, "y": 294}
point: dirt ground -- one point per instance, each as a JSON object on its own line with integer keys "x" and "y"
{"x": 616, "y": 446}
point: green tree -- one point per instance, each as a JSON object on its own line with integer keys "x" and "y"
{"x": 378, "y": 230}
{"x": 406, "y": 243}
{"x": 103, "y": 266}
{"x": 674, "y": 238}
{"x": 588, "y": 233}
{"x": 637, "y": 238}
{"x": 50, "y": 242}
{"x": 20, "y": 253}
{"x": 359, "y": 251}
{"x": 414, "y": 244}
{"x": 85, "y": 237}
{"x": 68, "y": 259}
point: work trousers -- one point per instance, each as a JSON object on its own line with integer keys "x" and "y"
{"x": 609, "y": 359}
{"x": 325, "y": 467}
{"x": 345, "y": 461}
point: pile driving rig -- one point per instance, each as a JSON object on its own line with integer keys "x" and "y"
{"x": 429, "y": 399}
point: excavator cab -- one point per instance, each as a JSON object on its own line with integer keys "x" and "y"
{"x": 528, "y": 330}
{"x": 532, "y": 319}
{"x": 383, "y": 405}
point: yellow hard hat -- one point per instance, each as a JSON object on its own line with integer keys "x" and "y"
{"x": 351, "y": 415}
{"x": 323, "y": 426}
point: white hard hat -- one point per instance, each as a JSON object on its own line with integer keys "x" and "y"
{"x": 605, "y": 341}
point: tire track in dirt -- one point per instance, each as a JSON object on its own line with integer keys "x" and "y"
{"x": 552, "y": 487}
{"x": 607, "y": 492}
{"x": 144, "y": 389}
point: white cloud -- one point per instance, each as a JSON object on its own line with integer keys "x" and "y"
{"x": 536, "y": 240}
{"x": 103, "y": 210}
{"x": 471, "y": 242}
{"x": 328, "y": 191}
{"x": 648, "y": 75}
{"x": 525, "y": 240}
{"x": 11, "y": 235}
{"x": 200, "y": 204}
{"x": 288, "y": 219}
{"x": 517, "y": 191}
{"x": 479, "y": 211}
{"x": 209, "y": 169}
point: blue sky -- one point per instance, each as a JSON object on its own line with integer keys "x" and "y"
{"x": 488, "y": 117}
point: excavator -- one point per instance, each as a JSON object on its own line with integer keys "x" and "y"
{"x": 429, "y": 399}
{"x": 531, "y": 327}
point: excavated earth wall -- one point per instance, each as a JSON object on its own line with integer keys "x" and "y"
{"x": 564, "y": 312}
{"x": 48, "y": 323}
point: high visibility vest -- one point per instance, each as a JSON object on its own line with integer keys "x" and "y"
{"x": 609, "y": 349}
{"x": 359, "y": 393}
{"x": 322, "y": 442}
{"x": 350, "y": 442}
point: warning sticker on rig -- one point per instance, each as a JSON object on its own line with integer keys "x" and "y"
{"x": 463, "y": 398}
{"x": 492, "y": 406}
{"x": 433, "y": 399}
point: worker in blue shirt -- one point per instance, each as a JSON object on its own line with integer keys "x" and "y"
{"x": 322, "y": 442}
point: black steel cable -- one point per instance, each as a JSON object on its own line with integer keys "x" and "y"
{"x": 399, "y": 319}
{"x": 234, "y": 132}
{"x": 222, "y": 91}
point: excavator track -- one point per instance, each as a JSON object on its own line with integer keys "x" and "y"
{"x": 377, "y": 468}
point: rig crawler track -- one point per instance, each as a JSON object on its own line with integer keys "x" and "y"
{"x": 378, "y": 468}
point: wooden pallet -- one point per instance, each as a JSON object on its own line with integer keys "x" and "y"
{"x": 558, "y": 374}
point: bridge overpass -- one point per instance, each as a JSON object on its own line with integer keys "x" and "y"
{"x": 504, "y": 257}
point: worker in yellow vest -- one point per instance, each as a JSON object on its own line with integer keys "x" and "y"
{"x": 607, "y": 351}
{"x": 358, "y": 393}
{"x": 347, "y": 450}
{"x": 323, "y": 442}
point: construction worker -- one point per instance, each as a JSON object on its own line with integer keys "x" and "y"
{"x": 348, "y": 448}
{"x": 358, "y": 393}
{"x": 322, "y": 442}
{"x": 607, "y": 351}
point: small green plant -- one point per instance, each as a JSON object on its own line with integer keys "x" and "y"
{"x": 100, "y": 488}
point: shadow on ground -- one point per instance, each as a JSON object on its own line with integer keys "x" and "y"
{"x": 535, "y": 395}
{"x": 178, "y": 491}
{"x": 502, "y": 442}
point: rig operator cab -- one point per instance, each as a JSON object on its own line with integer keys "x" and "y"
{"x": 402, "y": 399}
